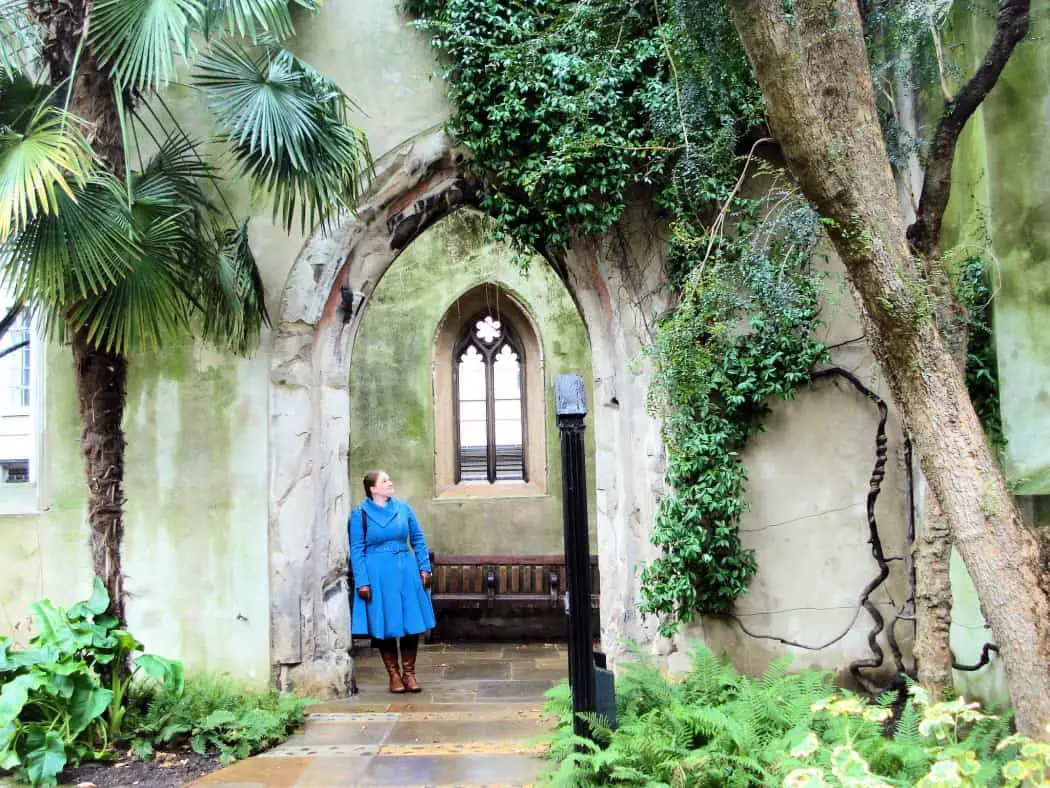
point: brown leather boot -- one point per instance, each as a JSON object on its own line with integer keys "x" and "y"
{"x": 408, "y": 667}
{"x": 390, "y": 663}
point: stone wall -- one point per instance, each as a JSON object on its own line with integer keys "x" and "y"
{"x": 397, "y": 368}
{"x": 238, "y": 484}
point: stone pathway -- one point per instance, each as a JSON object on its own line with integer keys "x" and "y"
{"x": 475, "y": 723}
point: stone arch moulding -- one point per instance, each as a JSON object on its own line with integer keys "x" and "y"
{"x": 617, "y": 283}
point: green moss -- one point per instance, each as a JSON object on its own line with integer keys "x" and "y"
{"x": 391, "y": 383}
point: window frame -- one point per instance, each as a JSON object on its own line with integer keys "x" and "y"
{"x": 467, "y": 339}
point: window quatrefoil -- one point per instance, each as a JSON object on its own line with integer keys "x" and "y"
{"x": 489, "y": 330}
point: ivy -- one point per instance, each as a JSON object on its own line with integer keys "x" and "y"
{"x": 982, "y": 365}
{"x": 567, "y": 107}
{"x": 741, "y": 335}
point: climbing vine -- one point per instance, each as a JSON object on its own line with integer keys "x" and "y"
{"x": 741, "y": 335}
{"x": 567, "y": 107}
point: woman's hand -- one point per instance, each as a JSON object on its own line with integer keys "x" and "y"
{"x": 425, "y": 577}
{"x": 365, "y": 592}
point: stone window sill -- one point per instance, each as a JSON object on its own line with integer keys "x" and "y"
{"x": 19, "y": 498}
{"x": 472, "y": 492}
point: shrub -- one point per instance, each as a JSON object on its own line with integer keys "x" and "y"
{"x": 63, "y": 700}
{"x": 714, "y": 727}
{"x": 215, "y": 714}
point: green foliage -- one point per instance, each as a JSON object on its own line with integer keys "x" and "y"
{"x": 982, "y": 366}
{"x": 711, "y": 728}
{"x": 566, "y": 107}
{"x": 132, "y": 252}
{"x": 63, "y": 699}
{"x": 740, "y": 336}
{"x": 714, "y": 727}
{"x": 215, "y": 714}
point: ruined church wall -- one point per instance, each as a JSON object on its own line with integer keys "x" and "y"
{"x": 392, "y": 389}
{"x": 198, "y": 456}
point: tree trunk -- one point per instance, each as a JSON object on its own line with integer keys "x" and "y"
{"x": 813, "y": 70}
{"x": 933, "y": 601}
{"x": 101, "y": 376}
{"x": 101, "y": 393}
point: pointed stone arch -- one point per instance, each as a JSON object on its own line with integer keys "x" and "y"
{"x": 618, "y": 284}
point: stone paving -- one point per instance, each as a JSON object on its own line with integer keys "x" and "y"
{"x": 476, "y": 722}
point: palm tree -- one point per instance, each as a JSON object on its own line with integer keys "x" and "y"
{"x": 113, "y": 230}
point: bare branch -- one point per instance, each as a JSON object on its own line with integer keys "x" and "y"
{"x": 7, "y": 351}
{"x": 1011, "y": 26}
{"x": 8, "y": 320}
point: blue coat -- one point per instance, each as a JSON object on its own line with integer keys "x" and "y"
{"x": 399, "y": 605}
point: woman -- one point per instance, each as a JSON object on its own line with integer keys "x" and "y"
{"x": 391, "y": 600}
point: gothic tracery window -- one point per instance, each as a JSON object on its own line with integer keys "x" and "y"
{"x": 489, "y": 401}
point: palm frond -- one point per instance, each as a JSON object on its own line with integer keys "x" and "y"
{"x": 174, "y": 175}
{"x": 37, "y": 164}
{"x": 229, "y": 295}
{"x": 286, "y": 126}
{"x": 20, "y": 99}
{"x": 255, "y": 19}
{"x": 138, "y": 39}
{"x": 148, "y": 304}
{"x": 74, "y": 252}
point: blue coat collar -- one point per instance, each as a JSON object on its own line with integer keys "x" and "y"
{"x": 381, "y": 515}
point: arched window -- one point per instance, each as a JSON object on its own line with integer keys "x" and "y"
{"x": 489, "y": 401}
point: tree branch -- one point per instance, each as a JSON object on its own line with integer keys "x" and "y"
{"x": 7, "y": 351}
{"x": 1011, "y": 26}
{"x": 9, "y": 319}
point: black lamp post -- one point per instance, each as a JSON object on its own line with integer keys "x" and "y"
{"x": 570, "y": 405}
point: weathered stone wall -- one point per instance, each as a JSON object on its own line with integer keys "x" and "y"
{"x": 238, "y": 469}
{"x": 394, "y": 374}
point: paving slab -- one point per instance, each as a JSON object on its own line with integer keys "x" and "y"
{"x": 258, "y": 773}
{"x": 441, "y": 770}
{"x": 477, "y": 722}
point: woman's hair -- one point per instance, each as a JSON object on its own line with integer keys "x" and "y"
{"x": 370, "y": 481}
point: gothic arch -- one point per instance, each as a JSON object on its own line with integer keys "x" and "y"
{"x": 618, "y": 284}
{"x": 489, "y": 297}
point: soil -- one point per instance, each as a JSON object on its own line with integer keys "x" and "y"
{"x": 166, "y": 770}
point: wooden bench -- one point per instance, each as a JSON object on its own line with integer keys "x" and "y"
{"x": 503, "y": 597}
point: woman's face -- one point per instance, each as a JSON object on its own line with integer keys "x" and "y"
{"x": 384, "y": 485}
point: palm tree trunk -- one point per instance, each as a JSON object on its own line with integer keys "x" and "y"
{"x": 102, "y": 393}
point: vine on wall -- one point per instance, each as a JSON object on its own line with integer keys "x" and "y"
{"x": 568, "y": 105}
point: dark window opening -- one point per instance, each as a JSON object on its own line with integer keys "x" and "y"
{"x": 14, "y": 471}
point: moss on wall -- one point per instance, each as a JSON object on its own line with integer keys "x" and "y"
{"x": 392, "y": 409}
{"x": 1016, "y": 115}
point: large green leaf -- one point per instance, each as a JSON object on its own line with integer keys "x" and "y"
{"x": 53, "y": 627}
{"x": 286, "y": 125}
{"x": 84, "y": 247}
{"x": 86, "y": 705}
{"x": 36, "y": 166}
{"x": 97, "y": 603}
{"x": 15, "y": 693}
{"x": 37, "y": 656}
{"x": 169, "y": 672}
{"x": 138, "y": 39}
{"x": 46, "y": 756}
